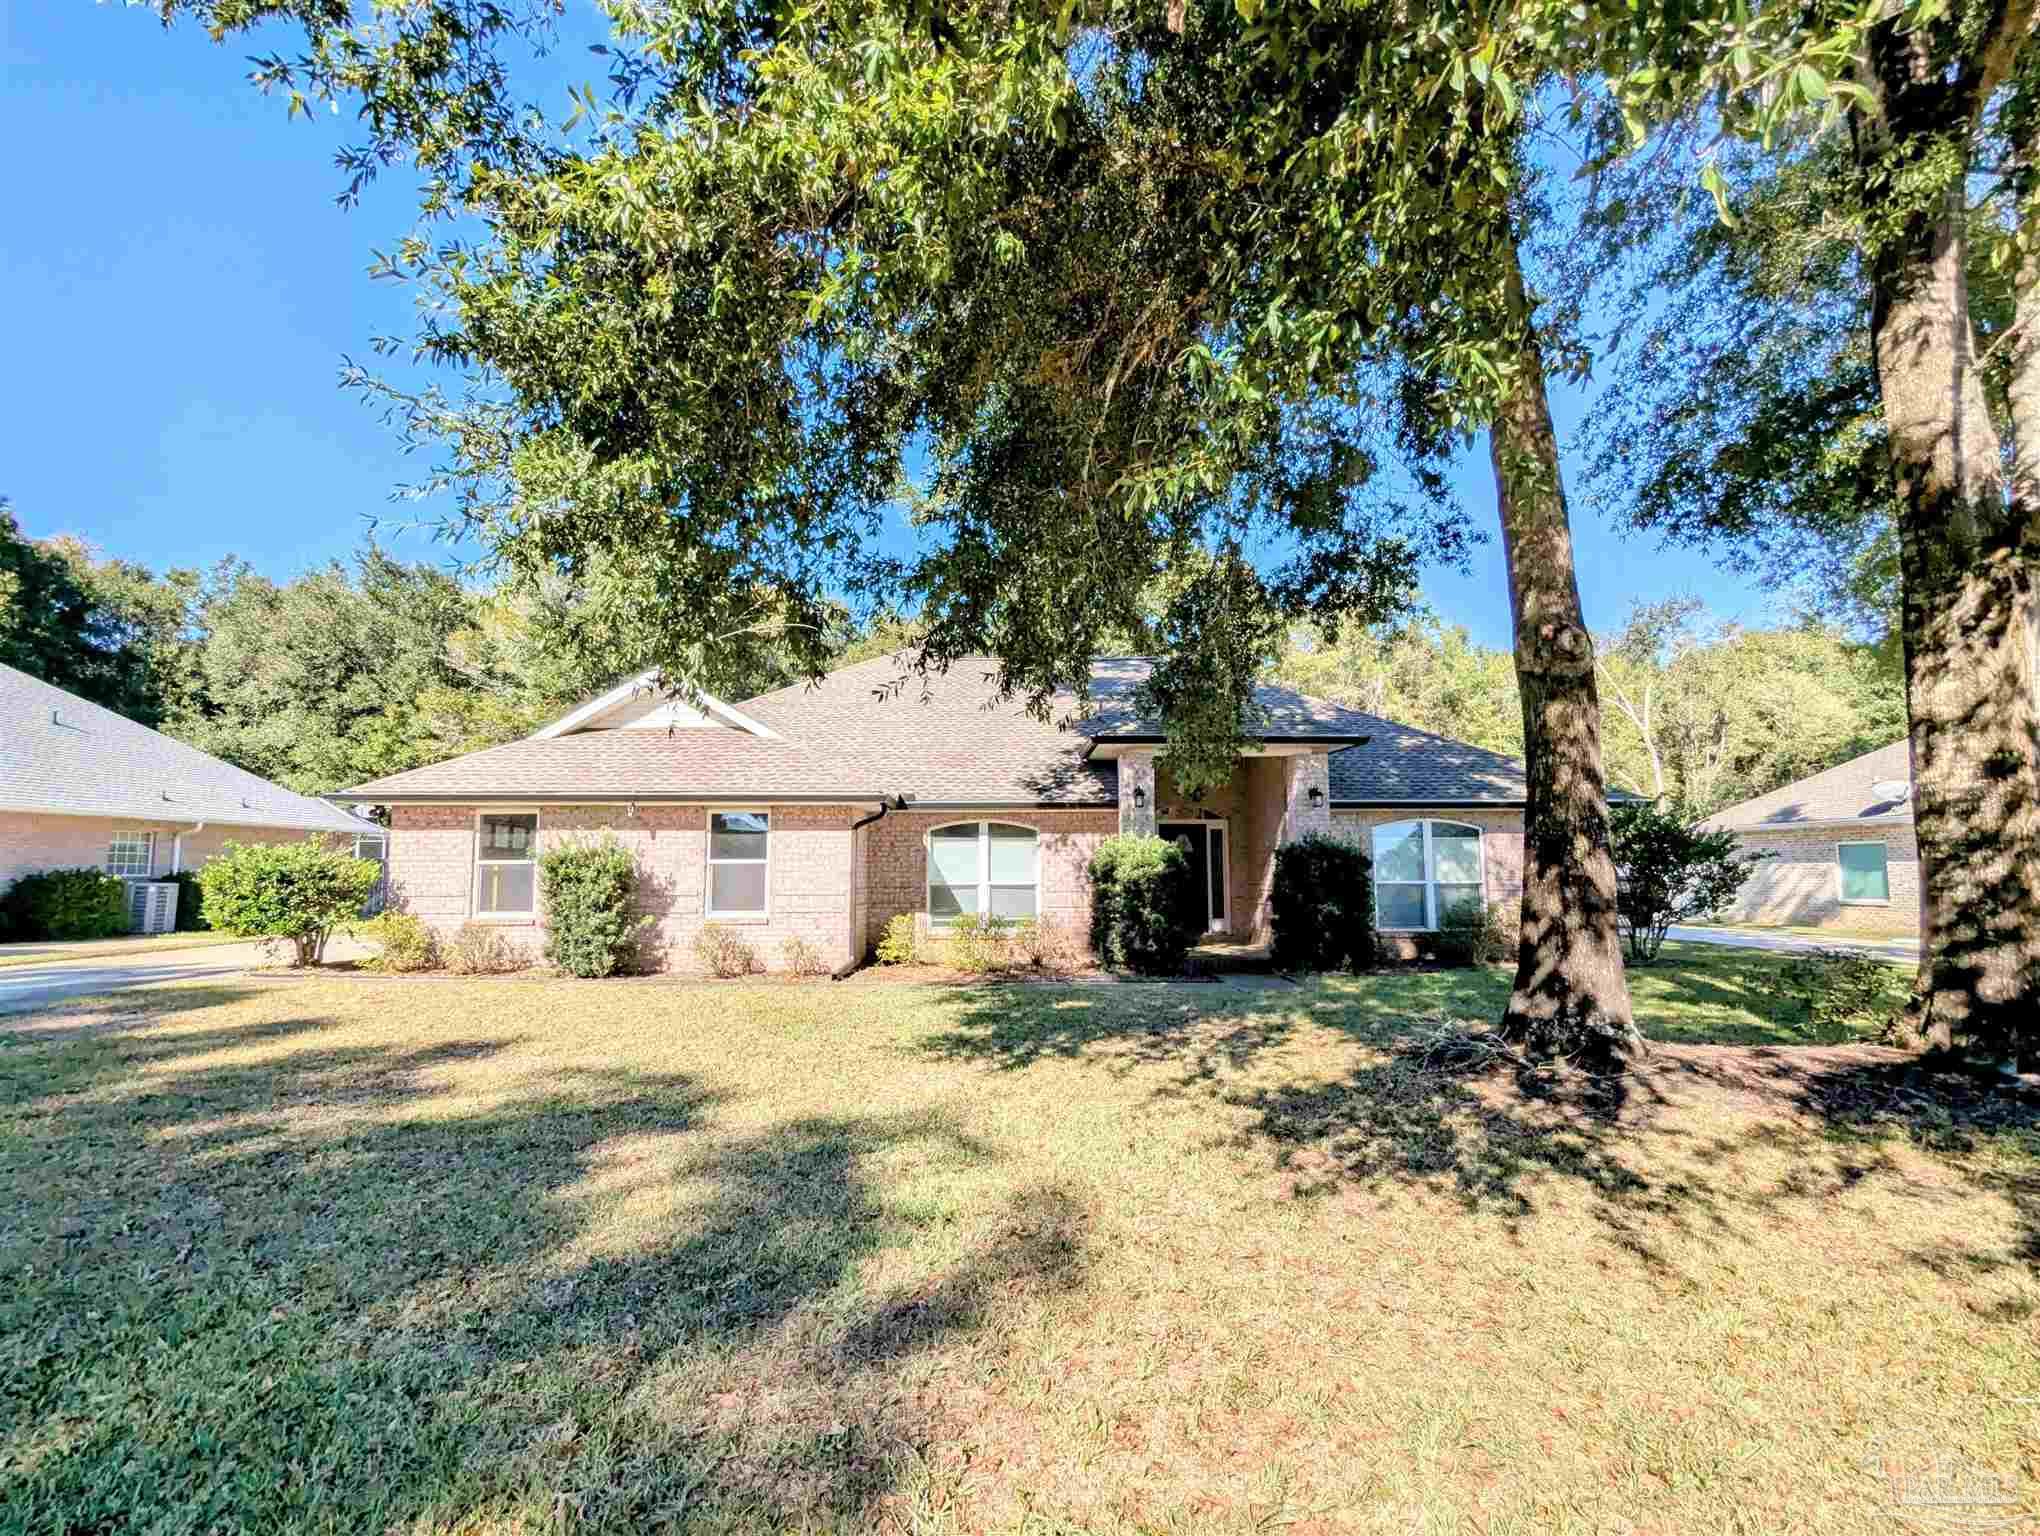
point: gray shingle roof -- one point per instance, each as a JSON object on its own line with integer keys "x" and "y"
{"x": 1399, "y": 763}
{"x": 946, "y": 738}
{"x": 943, "y": 739}
{"x": 61, "y": 755}
{"x": 1276, "y": 711}
{"x": 1845, "y": 793}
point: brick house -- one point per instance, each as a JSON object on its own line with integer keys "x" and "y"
{"x": 822, "y": 812}
{"x": 81, "y": 786}
{"x": 1841, "y": 846}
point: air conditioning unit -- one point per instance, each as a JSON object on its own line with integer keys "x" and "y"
{"x": 152, "y": 906}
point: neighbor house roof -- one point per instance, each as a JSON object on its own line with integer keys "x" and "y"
{"x": 874, "y": 730}
{"x": 1873, "y": 789}
{"x": 62, "y": 755}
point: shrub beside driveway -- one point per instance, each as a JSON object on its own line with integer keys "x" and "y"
{"x": 517, "y": 1255}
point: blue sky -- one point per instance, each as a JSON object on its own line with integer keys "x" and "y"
{"x": 180, "y": 290}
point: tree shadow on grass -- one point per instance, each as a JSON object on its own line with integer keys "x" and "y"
{"x": 354, "y": 1287}
{"x": 1431, "y": 1101}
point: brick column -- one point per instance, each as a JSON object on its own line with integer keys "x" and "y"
{"x": 1137, "y": 771}
{"x": 1300, "y": 775}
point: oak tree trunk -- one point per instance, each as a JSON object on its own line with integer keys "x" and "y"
{"x": 1967, "y": 557}
{"x": 1571, "y": 996}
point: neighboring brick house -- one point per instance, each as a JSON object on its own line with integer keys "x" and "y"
{"x": 83, "y": 786}
{"x": 822, "y": 812}
{"x": 1841, "y": 846}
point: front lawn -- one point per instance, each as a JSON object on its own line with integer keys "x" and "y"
{"x": 558, "y": 1256}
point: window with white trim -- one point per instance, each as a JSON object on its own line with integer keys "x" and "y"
{"x": 739, "y": 863}
{"x": 1866, "y": 879}
{"x": 370, "y": 845}
{"x": 991, "y": 868}
{"x": 1422, "y": 870}
{"x": 131, "y": 854}
{"x": 506, "y": 864}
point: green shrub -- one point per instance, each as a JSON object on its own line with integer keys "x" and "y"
{"x": 1473, "y": 933}
{"x": 295, "y": 891}
{"x": 1841, "y": 993}
{"x": 590, "y": 889}
{"x": 803, "y": 959}
{"x": 1669, "y": 872}
{"x": 901, "y": 942}
{"x": 191, "y": 916}
{"x": 406, "y": 943}
{"x": 981, "y": 944}
{"x": 1147, "y": 905}
{"x": 476, "y": 949}
{"x": 723, "y": 952}
{"x": 1322, "y": 905}
{"x": 65, "y": 904}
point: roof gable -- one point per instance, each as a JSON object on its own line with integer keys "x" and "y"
{"x": 639, "y": 703}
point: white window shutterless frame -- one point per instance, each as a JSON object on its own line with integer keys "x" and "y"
{"x": 1422, "y": 870}
{"x": 739, "y": 863}
{"x": 506, "y": 864}
{"x": 131, "y": 854}
{"x": 991, "y": 868}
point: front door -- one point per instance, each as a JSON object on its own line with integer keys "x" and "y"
{"x": 1203, "y": 842}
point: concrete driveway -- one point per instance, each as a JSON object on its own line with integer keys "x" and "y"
{"x": 23, "y": 987}
{"x": 1902, "y": 951}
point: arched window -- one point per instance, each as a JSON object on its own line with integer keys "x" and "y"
{"x": 988, "y": 867}
{"x": 1422, "y": 870}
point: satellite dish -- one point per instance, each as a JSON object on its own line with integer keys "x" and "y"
{"x": 1891, "y": 789}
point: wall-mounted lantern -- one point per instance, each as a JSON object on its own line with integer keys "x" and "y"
{"x": 1317, "y": 797}
{"x": 1139, "y": 797}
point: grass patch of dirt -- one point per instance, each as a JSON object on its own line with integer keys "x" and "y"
{"x": 505, "y": 1256}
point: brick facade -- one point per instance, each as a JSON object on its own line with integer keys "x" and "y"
{"x": 896, "y": 862}
{"x": 1501, "y": 852}
{"x": 813, "y": 890}
{"x": 31, "y": 841}
{"x": 1801, "y": 882}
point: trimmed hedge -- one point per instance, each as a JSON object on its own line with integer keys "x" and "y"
{"x": 64, "y": 904}
{"x": 589, "y": 889}
{"x": 1147, "y": 906}
{"x": 1322, "y": 905}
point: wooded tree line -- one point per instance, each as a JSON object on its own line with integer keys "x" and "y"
{"x": 1696, "y": 712}
{"x": 1141, "y": 291}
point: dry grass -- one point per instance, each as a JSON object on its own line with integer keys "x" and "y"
{"x": 515, "y": 1256}
{"x": 134, "y": 947}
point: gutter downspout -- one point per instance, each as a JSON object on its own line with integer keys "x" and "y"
{"x": 177, "y": 845}
{"x": 884, "y": 807}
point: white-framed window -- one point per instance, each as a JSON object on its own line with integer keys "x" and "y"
{"x": 506, "y": 864}
{"x": 739, "y": 863}
{"x": 370, "y": 845}
{"x": 1864, "y": 874}
{"x": 1422, "y": 870}
{"x": 992, "y": 868}
{"x": 131, "y": 853}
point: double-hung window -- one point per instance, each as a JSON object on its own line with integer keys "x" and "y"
{"x": 1866, "y": 881}
{"x": 990, "y": 868}
{"x": 506, "y": 864}
{"x": 131, "y": 854}
{"x": 1422, "y": 870}
{"x": 739, "y": 863}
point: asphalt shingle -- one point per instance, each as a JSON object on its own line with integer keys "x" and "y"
{"x": 876, "y": 729}
{"x": 62, "y": 755}
{"x": 1846, "y": 792}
